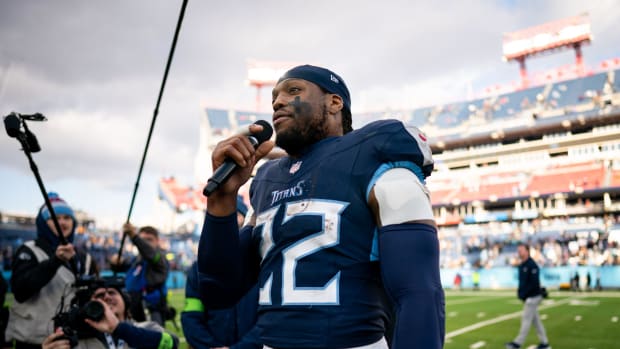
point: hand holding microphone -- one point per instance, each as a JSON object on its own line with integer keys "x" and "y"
{"x": 239, "y": 151}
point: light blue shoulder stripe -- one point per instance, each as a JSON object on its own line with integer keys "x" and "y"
{"x": 374, "y": 251}
{"x": 390, "y": 165}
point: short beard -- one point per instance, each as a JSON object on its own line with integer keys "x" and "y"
{"x": 305, "y": 131}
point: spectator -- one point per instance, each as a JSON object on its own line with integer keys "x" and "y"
{"x": 458, "y": 280}
{"x": 598, "y": 285}
{"x": 575, "y": 282}
{"x": 43, "y": 272}
{"x": 475, "y": 277}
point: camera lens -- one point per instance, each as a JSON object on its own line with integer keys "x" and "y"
{"x": 93, "y": 310}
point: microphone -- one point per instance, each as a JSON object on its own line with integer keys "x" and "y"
{"x": 224, "y": 172}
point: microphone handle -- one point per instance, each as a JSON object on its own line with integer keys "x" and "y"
{"x": 224, "y": 172}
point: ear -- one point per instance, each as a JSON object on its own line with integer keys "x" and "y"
{"x": 334, "y": 103}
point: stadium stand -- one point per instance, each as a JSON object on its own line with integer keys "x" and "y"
{"x": 576, "y": 91}
{"x": 510, "y": 104}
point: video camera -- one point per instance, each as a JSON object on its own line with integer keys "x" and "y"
{"x": 82, "y": 307}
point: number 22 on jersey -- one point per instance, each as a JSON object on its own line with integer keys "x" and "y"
{"x": 330, "y": 212}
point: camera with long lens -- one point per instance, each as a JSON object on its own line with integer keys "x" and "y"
{"x": 82, "y": 307}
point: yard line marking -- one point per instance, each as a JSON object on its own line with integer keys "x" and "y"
{"x": 481, "y": 314}
{"x": 578, "y": 318}
{"x": 470, "y": 300}
{"x": 584, "y": 302}
{"x": 603, "y": 294}
{"x": 512, "y": 293}
{"x": 614, "y": 319}
{"x": 488, "y": 293}
{"x": 543, "y": 316}
{"x": 478, "y": 345}
{"x": 500, "y": 319}
{"x": 452, "y": 314}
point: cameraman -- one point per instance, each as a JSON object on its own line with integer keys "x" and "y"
{"x": 146, "y": 276}
{"x": 42, "y": 276}
{"x": 116, "y": 329}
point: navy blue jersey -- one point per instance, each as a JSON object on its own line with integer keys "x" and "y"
{"x": 317, "y": 238}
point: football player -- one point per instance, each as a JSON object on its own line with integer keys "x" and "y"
{"x": 339, "y": 222}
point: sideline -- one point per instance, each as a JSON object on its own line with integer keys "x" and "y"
{"x": 472, "y": 300}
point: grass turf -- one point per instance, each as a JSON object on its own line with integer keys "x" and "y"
{"x": 488, "y": 319}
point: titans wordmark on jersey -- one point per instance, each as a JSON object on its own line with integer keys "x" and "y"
{"x": 320, "y": 283}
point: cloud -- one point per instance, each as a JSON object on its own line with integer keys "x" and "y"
{"x": 95, "y": 69}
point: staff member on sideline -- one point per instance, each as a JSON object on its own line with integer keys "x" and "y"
{"x": 531, "y": 294}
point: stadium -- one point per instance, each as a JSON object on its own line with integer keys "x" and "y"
{"x": 535, "y": 161}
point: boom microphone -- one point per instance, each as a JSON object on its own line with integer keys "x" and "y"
{"x": 223, "y": 172}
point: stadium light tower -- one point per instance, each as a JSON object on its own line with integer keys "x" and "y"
{"x": 263, "y": 73}
{"x": 567, "y": 33}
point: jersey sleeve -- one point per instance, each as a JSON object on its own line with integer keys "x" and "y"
{"x": 401, "y": 144}
{"x": 410, "y": 270}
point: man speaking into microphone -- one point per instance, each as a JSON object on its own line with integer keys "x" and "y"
{"x": 339, "y": 222}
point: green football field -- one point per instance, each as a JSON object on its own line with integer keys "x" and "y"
{"x": 488, "y": 319}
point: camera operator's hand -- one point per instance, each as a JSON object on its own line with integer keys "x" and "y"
{"x": 53, "y": 342}
{"x": 129, "y": 230}
{"x": 109, "y": 322}
{"x": 65, "y": 252}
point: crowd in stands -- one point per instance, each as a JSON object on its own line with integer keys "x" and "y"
{"x": 559, "y": 242}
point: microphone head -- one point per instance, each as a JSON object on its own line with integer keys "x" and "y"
{"x": 12, "y": 124}
{"x": 265, "y": 134}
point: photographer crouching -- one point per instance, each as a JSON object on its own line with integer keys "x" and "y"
{"x": 113, "y": 325}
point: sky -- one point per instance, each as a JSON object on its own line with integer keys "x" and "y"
{"x": 94, "y": 69}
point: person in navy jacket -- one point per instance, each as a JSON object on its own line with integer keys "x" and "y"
{"x": 531, "y": 294}
{"x": 232, "y": 328}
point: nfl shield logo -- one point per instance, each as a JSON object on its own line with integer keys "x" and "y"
{"x": 295, "y": 167}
